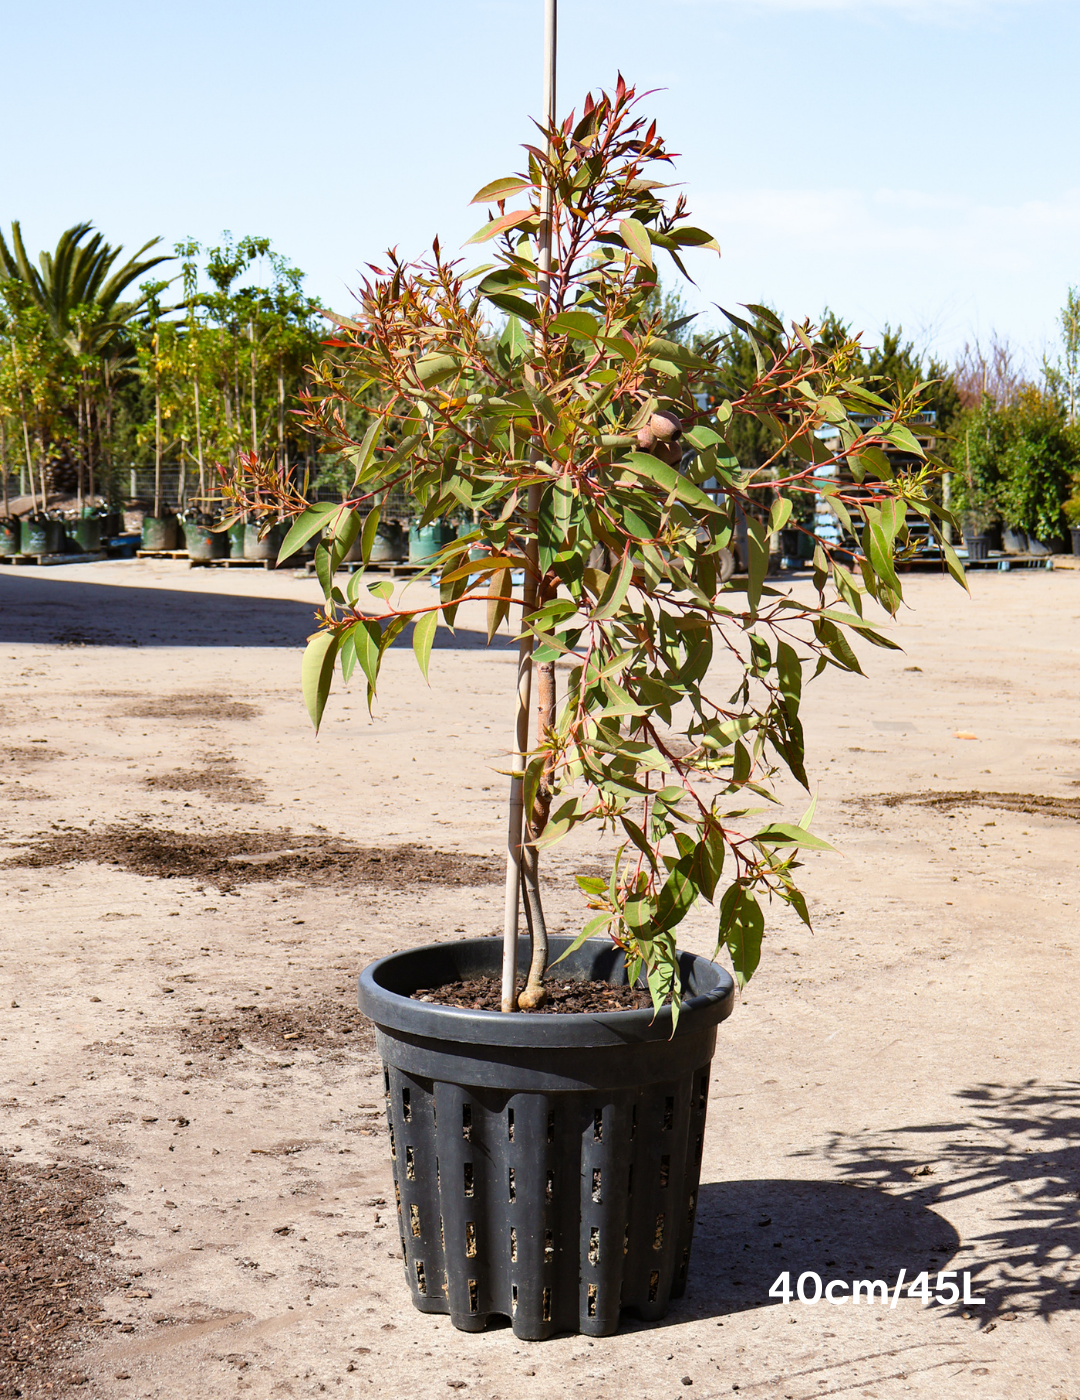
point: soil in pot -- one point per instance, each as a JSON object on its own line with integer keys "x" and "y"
{"x": 564, "y": 994}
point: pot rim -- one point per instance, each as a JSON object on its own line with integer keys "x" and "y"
{"x": 397, "y": 1012}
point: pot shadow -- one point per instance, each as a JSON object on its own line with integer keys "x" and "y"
{"x": 1019, "y": 1146}
{"x": 74, "y": 612}
{"x": 750, "y": 1232}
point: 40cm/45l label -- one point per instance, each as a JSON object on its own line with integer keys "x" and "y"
{"x": 810, "y": 1289}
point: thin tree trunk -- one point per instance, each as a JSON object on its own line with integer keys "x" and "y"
{"x": 254, "y": 425}
{"x": 281, "y": 418}
{"x": 533, "y": 993}
{"x": 81, "y": 464}
{"x": 198, "y": 443}
{"x": 4, "y": 463}
{"x": 157, "y": 436}
{"x": 26, "y": 432}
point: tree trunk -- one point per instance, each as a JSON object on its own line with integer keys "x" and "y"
{"x": 4, "y": 463}
{"x": 157, "y": 437}
{"x": 533, "y": 993}
{"x": 198, "y": 444}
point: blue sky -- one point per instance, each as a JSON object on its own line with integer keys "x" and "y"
{"x": 907, "y": 161}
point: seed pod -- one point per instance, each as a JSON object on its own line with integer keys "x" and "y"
{"x": 665, "y": 426}
{"x": 646, "y": 439}
{"x": 670, "y": 452}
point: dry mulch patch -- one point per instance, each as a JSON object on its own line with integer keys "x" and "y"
{"x": 192, "y": 705}
{"x": 565, "y": 994}
{"x": 240, "y": 858}
{"x": 218, "y": 778}
{"x": 330, "y": 1027}
{"x": 53, "y": 1261}
{"x": 1031, "y": 804}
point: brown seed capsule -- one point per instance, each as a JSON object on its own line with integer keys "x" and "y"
{"x": 646, "y": 439}
{"x": 665, "y": 426}
{"x": 670, "y": 452}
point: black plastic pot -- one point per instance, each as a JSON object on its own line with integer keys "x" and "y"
{"x": 161, "y": 532}
{"x": 84, "y": 534}
{"x": 978, "y": 546}
{"x": 41, "y": 535}
{"x": 10, "y": 537}
{"x": 1074, "y": 535}
{"x": 546, "y": 1166}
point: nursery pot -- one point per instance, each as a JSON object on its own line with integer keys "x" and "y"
{"x": 204, "y": 543}
{"x": 545, "y": 1166}
{"x": 85, "y": 534}
{"x": 160, "y": 532}
{"x": 427, "y": 540}
{"x": 389, "y": 544}
{"x": 235, "y": 533}
{"x": 10, "y": 537}
{"x": 265, "y": 548}
{"x": 42, "y": 536}
{"x": 978, "y": 546}
{"x": 1074, "y": 535}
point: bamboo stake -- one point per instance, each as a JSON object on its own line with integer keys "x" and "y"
{"x": 198, "y": 444}
{"x": 515, "y": 831}
{"x": 157, "y": 434}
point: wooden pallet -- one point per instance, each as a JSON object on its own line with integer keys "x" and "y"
{"x": 398, "y": 570}
{"x": 31, "y": 559}
{"x": 232, "y": 563}
{"x": 161, "y": 554}
{"x": 1005, "y": 563}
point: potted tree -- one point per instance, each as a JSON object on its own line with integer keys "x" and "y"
{"x": 546, "y": 1164}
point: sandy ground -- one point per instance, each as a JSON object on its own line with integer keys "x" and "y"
{"x": 899, "y": 1089}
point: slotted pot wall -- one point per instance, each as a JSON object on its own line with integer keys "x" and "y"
{"x": 545, "y": 1166}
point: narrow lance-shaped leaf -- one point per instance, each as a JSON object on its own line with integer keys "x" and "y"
{"x": 316, "y": 673}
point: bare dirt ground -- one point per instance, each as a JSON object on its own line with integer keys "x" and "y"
{"x": 189, "y": 883}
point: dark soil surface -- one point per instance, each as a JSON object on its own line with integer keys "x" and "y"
{"x": 31, "y": 753}
{"x": 564, "y": 995}
{"x": 53, "y": 1261}
{"x": 1029, "y": 803}
{"x": 241, "y": 858}
{"x": 192, "y": 705}
{"x": 218, "y": 778}
{"x": 329, "y": 1026}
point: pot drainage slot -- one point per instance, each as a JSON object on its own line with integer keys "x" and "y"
{"x": 468, "y": 1179}
{"x": 549, "y": 1186}
{"x": 669, "y": 1113}
{"x": 590, "y": 1306}
{"x": 513, "y": 1300}
{"x": 410, "y": 1164}
{"x": 665, "y": 1169}
{"x": 658, "y": 1235}
{"x": 594, "y": 1250}
{"x": 393, "y": 1145}
{"x": 510, "y": 1124}
{"x": 466, "y": 1121}
{"x": 549, "y": 1247}
{"x": 513, "y": 1187}
{"x": 406, "y": 1109}
{"x": 473, "y": 1296}
{"x": 598, "y": 1125}
{"x": 414, "y": 1221}
{"x": 513, "y": 1249}
{"x": 684, "y": 1266}
{"x": 470, "y": 1240}
{"x": 596, "y": 1184}
{"x": 703, "y": 1093}
{"x": 545, "y": 1304}
{"x": 654, "y": 1285}
{"x": 421, "y": 1282}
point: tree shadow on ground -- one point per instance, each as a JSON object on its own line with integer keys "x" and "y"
{"x": 1019, "y": 1147}
{"x": 75, "y": 612}
{"x": 750, "y": 1232}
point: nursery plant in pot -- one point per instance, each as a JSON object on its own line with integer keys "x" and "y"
{"x": 546, "y": 1159}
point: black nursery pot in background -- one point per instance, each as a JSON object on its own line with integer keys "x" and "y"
{"x": 545, "y": 1166}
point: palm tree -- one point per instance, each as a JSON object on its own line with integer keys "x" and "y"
{"x": 79, "y": 289}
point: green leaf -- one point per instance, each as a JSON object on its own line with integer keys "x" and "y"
{"x": 316, "y": 673}
{"x": 500, "y": 189}
{"x": 615, "y": 591}
{"x": 362, "y": 457}
{"x": 787, "y": 834}
{"x": 742, "y": 926}
{"x": 369, "y": 532}
{"x": 496, "y": 226}
{"x": 636, "y": 237}
{"x": 500, "y": 594}
{"x": 677, "y": 896}
{"x": 422, "y": 638}
{"x": 384, "y": 589}
{"x": 670, "y": 481}
{"x": 779, "y": 514}
{"x": 306, "y": 525}
{"x": 592, "y": 927}
{"x": 575, "y": 323}
{"x": 431, "y": 369}
{"x": 367, "y": 636}
{"x": 513, "y": 306}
